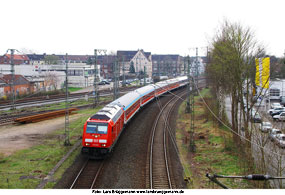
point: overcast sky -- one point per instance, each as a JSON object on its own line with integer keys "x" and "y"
{"x": 157, "y": 26}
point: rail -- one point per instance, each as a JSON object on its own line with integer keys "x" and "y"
{"x": 43, "y": 116}
{"x": 88, "y": 175}
{"x": 159, "y": 171}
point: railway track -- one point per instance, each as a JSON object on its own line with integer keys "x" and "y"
{"x": 158, "y": 165}
{"x": 88, "y": 174}
{"x": 53, "y": 98}
{"x": 6, "y": 119}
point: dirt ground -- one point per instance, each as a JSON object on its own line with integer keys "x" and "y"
{"x": 18, "y": 137}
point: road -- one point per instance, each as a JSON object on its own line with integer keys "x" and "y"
{"x": 266, "y": 154}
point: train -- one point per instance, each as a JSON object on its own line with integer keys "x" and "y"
{"x": 102, "y": 130}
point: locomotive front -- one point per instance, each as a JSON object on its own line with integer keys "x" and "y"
{"x": 101, "y": 131}
{"x": 96, "y": 139}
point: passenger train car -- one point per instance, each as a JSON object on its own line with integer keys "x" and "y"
{"x": 102, "y": 130}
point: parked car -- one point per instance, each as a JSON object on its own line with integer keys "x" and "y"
{"x": 276, "y": 105}
{"x": 276, "y": 110}
{"x": 279, "y": 117}
{"x": 273, "y": 133}
{"x": 103, "y": 82}
{"x": 280, "y": 140}
{"x": 106, "y": 82}
{"x": 255, "y": 117}
{"x": 265, "y": 127}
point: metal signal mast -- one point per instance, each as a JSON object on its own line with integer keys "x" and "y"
{"x": 116, "y": 82}
{"x": 66, "y": 142}
{"x": 96, "y": 76}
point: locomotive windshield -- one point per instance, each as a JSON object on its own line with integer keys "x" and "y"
{"x": 99, "y": 128}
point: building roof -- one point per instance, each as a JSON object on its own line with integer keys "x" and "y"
{"x": 36, "y": 57}
{"x": 82, "y": 58}
{"x": 165, "y": 57}
{"x": 8, "y": 79}
{"x": 126, "y": 55}
{"x": 17, "y": 57}
{"x": 147, "y": 54}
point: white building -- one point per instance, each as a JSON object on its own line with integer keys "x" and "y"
{"x": 139, "y": 59}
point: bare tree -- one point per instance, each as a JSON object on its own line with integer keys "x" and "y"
{"x": 51, "y": 80}
{"x": 232, "y": 67}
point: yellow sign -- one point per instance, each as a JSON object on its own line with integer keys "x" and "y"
{"x": 262, "y": 72}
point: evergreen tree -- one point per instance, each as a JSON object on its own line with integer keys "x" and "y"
{"x": 132, "y": 68}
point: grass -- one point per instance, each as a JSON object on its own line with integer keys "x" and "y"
{"x": 26, "y": 168}
{"x": 73, "y": 89}
{"x": 215, "y": 150}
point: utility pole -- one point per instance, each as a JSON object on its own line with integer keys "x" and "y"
{"x": 184, "y": 60}
{"x": 140, "y": 70}
{"x": 116, "y": 79}
{"x": 158, "y": 67}
{"x": 196, "y": 64}
{"x": 124, "y": 76}
{"x": 187, "y": 109}
{"x": 12, "y": 84}
{"x": 192, "y": 146}
{"x": 190, "y": 105}
{"x": 66, "y": 142}
{"x": 192, "y": 122}
{"x": 96, "y": 76}
{"x": 95, "y": 83}
{"x": 144, "y": 83}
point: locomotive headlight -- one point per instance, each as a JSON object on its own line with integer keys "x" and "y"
{"x": 87, "y": 144}
{"x": 103, "y": 145}
{"x": 102, "y": 141}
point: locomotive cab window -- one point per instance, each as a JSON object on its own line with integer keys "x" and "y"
{"x": 99, "y": 128}
{"x": 102, "y": 129}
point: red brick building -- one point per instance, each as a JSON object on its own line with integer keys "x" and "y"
{"x": 21, "y": 85}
